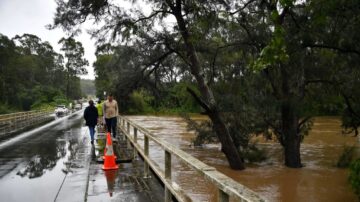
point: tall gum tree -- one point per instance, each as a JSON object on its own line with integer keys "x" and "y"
{"x": 75, "y": 61}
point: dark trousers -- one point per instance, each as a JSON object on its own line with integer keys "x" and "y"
{"x": 111, "y": 125}
{"x": 92, "y": 132}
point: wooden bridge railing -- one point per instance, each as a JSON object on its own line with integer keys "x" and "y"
{"x": 226, "y": 186}
{"x": 16, "y": 121}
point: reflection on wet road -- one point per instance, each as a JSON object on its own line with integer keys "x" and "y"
{"x": 34, "y": 168}
{"x": 319, "y": 180}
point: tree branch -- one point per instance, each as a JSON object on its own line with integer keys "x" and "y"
{"x": 272, "y": 83}
{"x": 307, "y": 82}
{"x": 324, "y": 46}
{"x": 242, "y": 8}
{"x": 217, "y": 52}
{"x": 156, "y": 63}
{"x": 151, "y": 16}
{"x": 349, "y": 106}
{"x": 199, "y": 100}
{"x": 302, "y": 122}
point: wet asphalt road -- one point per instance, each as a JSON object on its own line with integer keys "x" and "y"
{"x": 34, "y": 167}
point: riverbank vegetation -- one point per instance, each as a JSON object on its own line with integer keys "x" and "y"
{"x": 33, "y": 75}
{"x": 354, "y": 177}
{"x": 253, "y": 67}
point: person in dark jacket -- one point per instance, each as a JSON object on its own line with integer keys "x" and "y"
{"x": 91, "y": 117}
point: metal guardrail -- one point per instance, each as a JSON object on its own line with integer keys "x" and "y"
{"x": 226, "y": 186}
{"x": 16, "y": 121}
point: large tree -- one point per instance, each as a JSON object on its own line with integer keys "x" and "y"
{"x": 308, "y": 38}
{"x": 75, "y": 64}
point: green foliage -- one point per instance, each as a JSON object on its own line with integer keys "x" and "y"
{"x": 254, "y": 154}
{"x": 346, "y": 157}
{"x": 60, "y": 99}
{"x": 286, "y": 3}
{"x": 87, "y": 87}
{"x": 140, "y": 101}
{"x": 178, "y": 99}
{"x": 203, "y": 130}
{"x": 322, "y": 101}
{"x": 205, "y": 135}
{"x": 6, "y": 109}
{"x": 354, "y": 176}
{"x": 75, "y": 65}
{"x": 274, "y": 53}
{"x": 118, "y": 71}
{"x": 32, "y": 74}
{"x": 103, "y": 74}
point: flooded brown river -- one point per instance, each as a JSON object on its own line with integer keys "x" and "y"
{"x": 319, "y": 180}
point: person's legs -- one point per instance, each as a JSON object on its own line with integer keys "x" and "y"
{"x": 113, "y": 126}
{"x": 92, "y": 133}
{"x": 108, "y": 125}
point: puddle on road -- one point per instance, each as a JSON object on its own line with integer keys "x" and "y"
{"x": 42, "y": 162}
{"x": 319, "y": 180}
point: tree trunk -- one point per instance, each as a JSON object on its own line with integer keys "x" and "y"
{"x": 67, "y": 83}
{"x": 291, "y": 136}
{"x": 228, "y": 147}
{"x": 290, "y": 121}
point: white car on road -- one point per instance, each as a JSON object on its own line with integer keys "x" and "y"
{"x": 78, "y": 107}
{"x": 61, "y": 110}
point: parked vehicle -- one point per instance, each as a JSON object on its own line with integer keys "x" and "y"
{"x": 78, "y": 107}
{"x": 61, "y": 110}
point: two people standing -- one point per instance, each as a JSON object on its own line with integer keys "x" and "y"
{"x": 109, "y": 109}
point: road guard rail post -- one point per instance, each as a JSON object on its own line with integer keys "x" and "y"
{"x": 16, "y": 121}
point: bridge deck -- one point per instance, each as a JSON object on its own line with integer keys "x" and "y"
{"x": 125, "y": 184}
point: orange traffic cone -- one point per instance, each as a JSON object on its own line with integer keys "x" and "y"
{"x": 109, "y": 157}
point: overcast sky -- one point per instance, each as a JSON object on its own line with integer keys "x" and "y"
{"x": 30, "y": 16}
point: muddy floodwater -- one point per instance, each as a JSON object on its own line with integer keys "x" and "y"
{"x": 319, "y": 180}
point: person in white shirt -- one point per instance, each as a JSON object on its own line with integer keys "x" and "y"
{"x": 111, "y": 111}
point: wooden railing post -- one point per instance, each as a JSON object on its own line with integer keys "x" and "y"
{"x": 146, "y": 152}
{"x": 128, "y": 128}
{"x": 222, "y": 196}
{"x": 167, "y": 175}
{"x": 135, "y": 141}
{"x": 128, "y": 144}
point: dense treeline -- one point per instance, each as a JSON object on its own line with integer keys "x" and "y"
{"x": 32, "y": 74}
{"x": 87, "y": 87}
{"x": 254, "y": 67}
